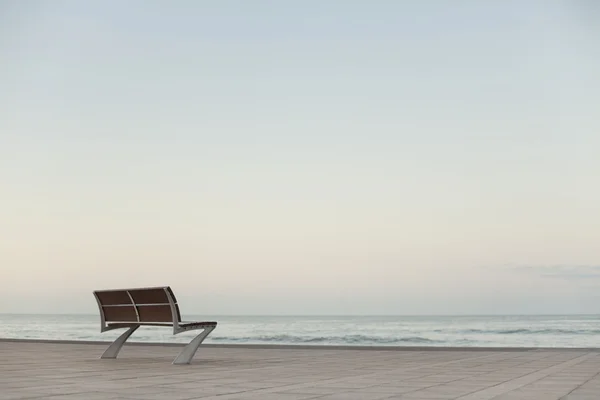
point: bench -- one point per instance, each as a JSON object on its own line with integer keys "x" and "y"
{"x": 151, "y": 306}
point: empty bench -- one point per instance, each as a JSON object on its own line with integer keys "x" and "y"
{"x": 152, "y": 306}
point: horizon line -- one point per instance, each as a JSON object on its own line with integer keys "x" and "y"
{"x": 328, "y": 315}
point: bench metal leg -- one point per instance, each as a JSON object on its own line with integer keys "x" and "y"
{"x": 186, "y": 355}
{"x": 115, "y": 347}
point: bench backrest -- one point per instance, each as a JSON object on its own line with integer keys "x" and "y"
{"x": 139, "y": 305}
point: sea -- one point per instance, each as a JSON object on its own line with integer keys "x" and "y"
{"x": 462, "y": 331}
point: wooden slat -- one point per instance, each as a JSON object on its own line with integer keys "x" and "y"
{"x": 155, "y": 313}
{"x": 120, "y": 314}
{"x": 149, "y": 296}
{"x": 113, "y": 297}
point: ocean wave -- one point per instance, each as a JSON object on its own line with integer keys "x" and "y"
{"x": 526, "y": 331}
{"x": 347, "y": 339}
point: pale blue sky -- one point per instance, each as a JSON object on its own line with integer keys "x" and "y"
{"x": 302, "y": 157}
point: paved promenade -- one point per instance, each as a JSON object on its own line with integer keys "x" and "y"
{"x": 30, "y": 370}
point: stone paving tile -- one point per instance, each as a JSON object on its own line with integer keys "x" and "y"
{"x": 581, "y": 397}
{"x": 74, "y": 371}
{"x": 277, "y": 396}
{"x": 355, "y": 395}
{"x": 18, "y": 394}
{"x": 86, "y": 396}
{"x": 310, "y": 390}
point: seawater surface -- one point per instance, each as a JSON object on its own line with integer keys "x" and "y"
{"x": 464, "y": 331}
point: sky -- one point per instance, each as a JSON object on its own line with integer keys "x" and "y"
{"x": 302, "y": 157}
